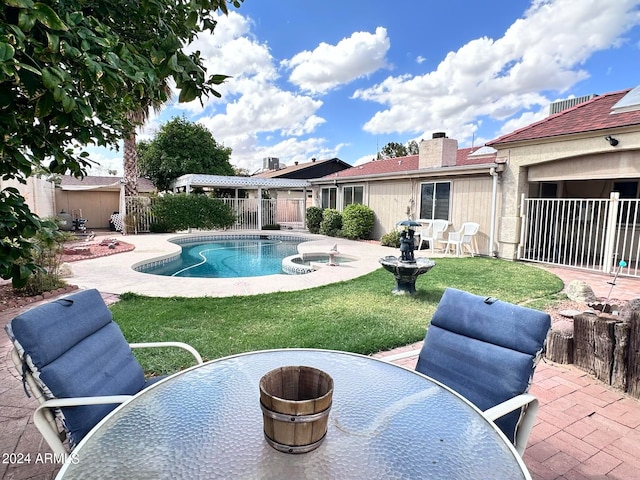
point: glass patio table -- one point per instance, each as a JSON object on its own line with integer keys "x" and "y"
{"x": 206, "y": 422}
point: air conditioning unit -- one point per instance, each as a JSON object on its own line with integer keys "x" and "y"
{"x": 271, "y": 163}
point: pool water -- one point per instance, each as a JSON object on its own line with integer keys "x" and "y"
{"x": 227, "y": 259}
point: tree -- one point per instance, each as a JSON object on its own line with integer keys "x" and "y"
{"x": 179, "y": 148}
{"x": 70, "y": 72}
{"x": 395, "y": 149}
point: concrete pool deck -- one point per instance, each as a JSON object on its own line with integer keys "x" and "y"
{"x": 114, "y": 273}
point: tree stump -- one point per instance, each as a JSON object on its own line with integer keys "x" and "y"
{"x": 633, "y": 364}
{"x": 559, "y": 347}
{"x": 583, "y": 342}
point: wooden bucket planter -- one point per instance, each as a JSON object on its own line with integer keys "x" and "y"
{"x": 295, "y": 402}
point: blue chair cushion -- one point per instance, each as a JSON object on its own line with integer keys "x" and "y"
{"x": 75, "y": 349}
{"x": 486, "y": 350}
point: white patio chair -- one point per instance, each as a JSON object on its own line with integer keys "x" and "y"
{"x": 434, "y": 233}
{"x": 465, "y": 237}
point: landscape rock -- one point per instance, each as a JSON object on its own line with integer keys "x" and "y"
{"x": 580, "y": 291}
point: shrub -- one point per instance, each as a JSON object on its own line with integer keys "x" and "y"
{"x": 47, "y": 250}
{"x": 331, "y": 224}
{"x": 159, "y": 227}
{"x": 357, "y": 221}
{"x": 391, "y": 239}
{"x": 184, "y": 211}
{"x": 314, "y": 218}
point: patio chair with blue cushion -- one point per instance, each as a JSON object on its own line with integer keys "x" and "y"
{"x": 77, "y": 364}
{"x": 486, "y": 350}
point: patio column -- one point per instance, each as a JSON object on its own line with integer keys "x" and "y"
{"x": 259, "y": 208}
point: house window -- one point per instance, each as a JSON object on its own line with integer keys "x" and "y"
{"x": 434, "y": 200}
{"x": 328, "y": 197}
{"x": 352, "y": 195}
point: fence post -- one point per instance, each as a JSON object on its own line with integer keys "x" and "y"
{"x": 610, "y": 232}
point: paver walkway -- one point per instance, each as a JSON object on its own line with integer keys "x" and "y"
{"x": 585, "y": 430}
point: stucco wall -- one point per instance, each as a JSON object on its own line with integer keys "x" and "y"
{"x": 38, "y": 194}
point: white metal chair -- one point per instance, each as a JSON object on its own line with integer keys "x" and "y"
{"x": 486, "y": 350}
{"x": 465, "y": 237}
{"x": 77, "y": 364}
{"x": 434, "y": 233}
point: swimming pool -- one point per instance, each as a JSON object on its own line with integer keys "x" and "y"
{"x": 226, "y": 257}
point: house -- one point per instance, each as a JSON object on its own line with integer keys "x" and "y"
{"x": 442, "y": 181}
{"x": 562, "y": 190}
{"x": 585, "y": 151}
{"x": 94, "y": 198}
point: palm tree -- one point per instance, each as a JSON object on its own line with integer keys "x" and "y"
{"x": 130, "y": 153}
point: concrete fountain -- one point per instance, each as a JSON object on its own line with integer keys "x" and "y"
{"x": 406, "y": 268}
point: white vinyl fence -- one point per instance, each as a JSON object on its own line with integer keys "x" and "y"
{"x": 594, "y": 234}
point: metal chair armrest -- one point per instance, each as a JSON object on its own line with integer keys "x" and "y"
{"x": 51, "y": 435}
{"x": 526, "y": 420}
{"x": 182, "y": 345}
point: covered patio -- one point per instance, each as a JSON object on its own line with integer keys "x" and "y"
{"x": 257, "y": 201}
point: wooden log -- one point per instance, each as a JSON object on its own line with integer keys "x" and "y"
{"x": 619, "y": 369}
{"x": 603, "y": 348}
{"x": 583, "y": 342}
{"x": 633, "y": 364}
{"x": 559, "y": 347}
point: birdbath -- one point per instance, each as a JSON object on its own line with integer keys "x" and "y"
{"x": 406, "y": 268}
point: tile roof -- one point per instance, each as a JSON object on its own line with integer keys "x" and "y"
{"x": 405, "y": 164}
{"x": 589, "y": 116}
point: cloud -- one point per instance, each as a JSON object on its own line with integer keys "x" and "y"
{"x": 329, "y": 66}
{"x": 543, "y": 51}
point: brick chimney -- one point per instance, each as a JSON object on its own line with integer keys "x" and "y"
{"x": 440, "y": 151}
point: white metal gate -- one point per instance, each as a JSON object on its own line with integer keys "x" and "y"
{"x": 594, "y": 234}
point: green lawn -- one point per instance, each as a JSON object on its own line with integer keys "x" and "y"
{"x": 359, "y": 315}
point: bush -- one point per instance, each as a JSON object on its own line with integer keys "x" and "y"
{"x": 331, "y": 224}
{"x": 184, "y": 211}
{"x": 391, "y": 239}
{"x": 357, "y": 221}
{"x": 48, "y": 247}
{"x": 159, "y": 227}
{"x": 314, "y": 218}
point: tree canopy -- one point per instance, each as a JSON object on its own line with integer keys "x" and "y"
{"x": 69, "y": 74}
{"x": 181, "y": 147}
{"x": 395, "y": 149}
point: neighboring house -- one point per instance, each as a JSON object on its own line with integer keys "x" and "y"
{"x": 93, "y": 197}
{"x": 302, "y": 171}
{"x": 272, "y": 168}
{"x": 541, "y": 193}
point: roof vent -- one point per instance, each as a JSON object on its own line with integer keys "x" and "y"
{"x": 313, "y": 159}
{"x": 439, "y": 135}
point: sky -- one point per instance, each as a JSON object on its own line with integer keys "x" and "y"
{"x": 338, "y": 78}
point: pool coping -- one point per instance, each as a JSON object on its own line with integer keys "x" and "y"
{"x": 114, "y": 274}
